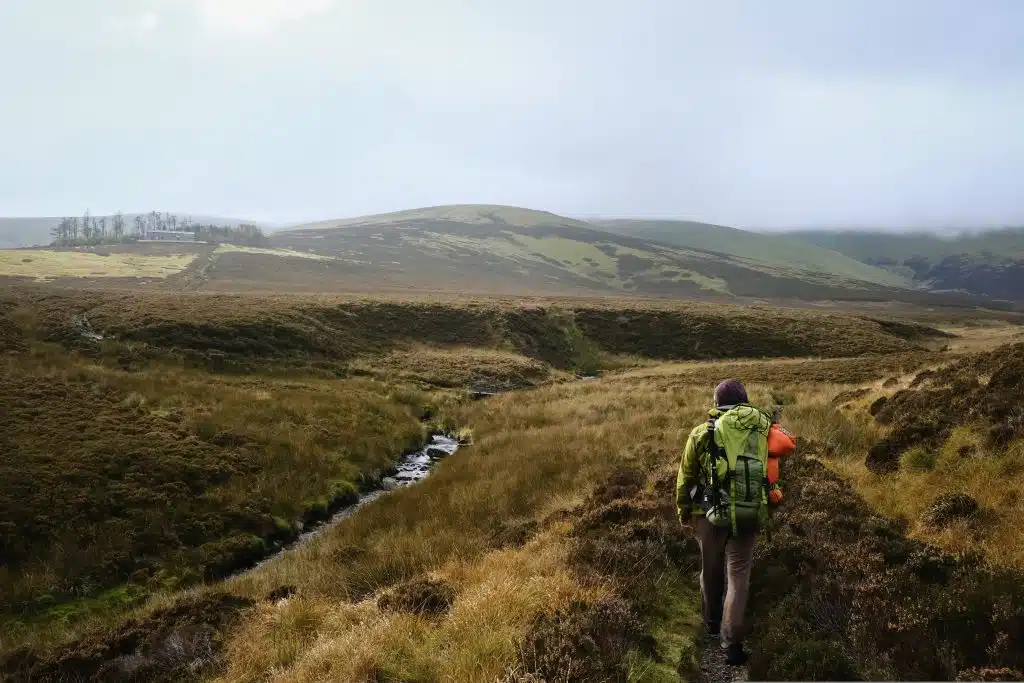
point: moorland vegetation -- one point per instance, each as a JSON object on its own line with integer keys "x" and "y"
{"x": 547, "y": 548}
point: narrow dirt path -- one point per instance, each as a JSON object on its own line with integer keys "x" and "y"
{"x": 713, "y": 668}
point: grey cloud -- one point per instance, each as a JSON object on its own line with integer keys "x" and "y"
{"x": 750, "y": 113}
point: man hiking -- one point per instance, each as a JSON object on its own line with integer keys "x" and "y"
{"x": 727, "y": 478}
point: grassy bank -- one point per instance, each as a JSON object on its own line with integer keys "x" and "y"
{"x": 125, "y": 483}
{"x": 324, "y": 334}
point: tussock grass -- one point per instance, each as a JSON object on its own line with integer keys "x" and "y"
{"x": 992, "y": 477}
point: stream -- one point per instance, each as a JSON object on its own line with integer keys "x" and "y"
{"x": 411, "y": 468}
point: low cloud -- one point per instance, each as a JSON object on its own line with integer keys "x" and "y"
{"x": 138, "y": 25}
{"x": 254, "y": 17}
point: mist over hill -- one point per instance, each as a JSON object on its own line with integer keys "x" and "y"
{"x": 987, "y": 262}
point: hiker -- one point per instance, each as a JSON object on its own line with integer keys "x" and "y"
{"x": 723, "y": 491}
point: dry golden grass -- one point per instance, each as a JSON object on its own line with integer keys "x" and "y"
{"x": 994, "y": 479}
{"x": 320, "y": 640}
{"x": 535, "y": 453}
{"x": 459, "y": 367}
{"x": 289, "y": 253}
{"x": 41, "y": 264}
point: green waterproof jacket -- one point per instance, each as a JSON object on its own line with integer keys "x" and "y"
{"x": 689, "y": 468}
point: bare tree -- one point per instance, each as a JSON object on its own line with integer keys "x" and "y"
{"x": 103, "y": 228}
{"x": 118, "y": 225}
{"x": 61, "y": 232}
{"x": 74, "y": 230}
{"x": 86, "y": 226}
{"x": 140, "y": 226}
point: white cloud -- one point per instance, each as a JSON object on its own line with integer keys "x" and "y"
{"x": 250, "y": 17}
{"x": 138, "y": 25}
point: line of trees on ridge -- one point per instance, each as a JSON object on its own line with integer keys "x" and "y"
{"x": 92, "y": 230}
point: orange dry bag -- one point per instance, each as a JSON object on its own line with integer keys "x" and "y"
{"x": 780, "y": 444}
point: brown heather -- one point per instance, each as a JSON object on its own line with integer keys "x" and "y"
{"x": 545, "y": 550}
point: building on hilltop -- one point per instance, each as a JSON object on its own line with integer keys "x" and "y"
{"x": 169, "y": 236}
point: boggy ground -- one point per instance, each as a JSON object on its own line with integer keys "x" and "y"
{"x": 545, "y": 550}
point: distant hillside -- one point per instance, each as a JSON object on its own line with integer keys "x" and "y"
{"x": 773, "y": 251}
{"x": 989, "y": 263}
{"x": 491, "y": 249}
{"x": 883, "y": 247}
{"x": 515, "y": 249}
{"x": 36, "y": 231}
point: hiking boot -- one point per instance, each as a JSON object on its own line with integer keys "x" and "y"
{"x": 735, "y": 655}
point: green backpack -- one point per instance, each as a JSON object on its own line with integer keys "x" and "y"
{"x": 736, "y": 466}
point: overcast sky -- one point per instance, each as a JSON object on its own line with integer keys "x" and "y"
{"x": 750, "y": 113}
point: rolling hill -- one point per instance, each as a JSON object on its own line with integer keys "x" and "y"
{"x": 490, "y": 247}
{"x": 779, "y": 251}
{"x": 988, "y": 263}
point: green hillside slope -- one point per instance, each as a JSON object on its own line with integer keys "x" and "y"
{"x": 497, "y": 250}
{"x": 987, "y": 263}
{"x": 773, "y": 251}
{"x": 488, "y": 248}
{"x": 874, "y": 246}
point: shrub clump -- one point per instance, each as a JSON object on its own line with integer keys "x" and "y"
{"x": 584, "y": 642}
{"x": 179, "y": 643}
{"x": 423, "y": 596}
{"x": 940, "y": 400}
{"x": 840, "y": 594}
{"x": 918, "y": 459}
{"x": 948, "y": 508}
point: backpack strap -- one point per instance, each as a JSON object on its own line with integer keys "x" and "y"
{"x": 715, "y": 452}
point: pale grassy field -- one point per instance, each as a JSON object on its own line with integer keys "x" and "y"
{"x": 44, "y": 265}
{"x": 291, "y": 253}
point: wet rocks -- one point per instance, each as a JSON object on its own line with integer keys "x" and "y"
{"x": 947, "y": 508}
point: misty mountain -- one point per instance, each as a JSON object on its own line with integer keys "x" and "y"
{"x": 988, "y": 263}
{"x": 503, "y": 248}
